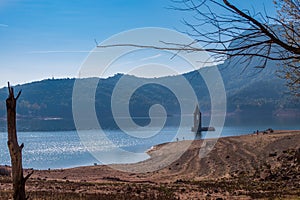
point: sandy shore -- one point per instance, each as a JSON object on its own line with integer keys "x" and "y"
{"x": 241, "y": 167}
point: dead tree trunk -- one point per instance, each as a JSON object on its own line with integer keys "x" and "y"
{"x": 14, "y": 149}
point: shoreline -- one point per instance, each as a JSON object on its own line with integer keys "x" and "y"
{"x": 157, "y": 147}
{"x": 226, "y": 172}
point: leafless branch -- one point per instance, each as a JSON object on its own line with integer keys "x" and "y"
{"x": 231, "y": 32}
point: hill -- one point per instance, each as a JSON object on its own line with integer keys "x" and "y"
{"x": 47, "y": 104}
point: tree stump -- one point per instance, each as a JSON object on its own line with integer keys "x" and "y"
{"x": 15, "y": 150}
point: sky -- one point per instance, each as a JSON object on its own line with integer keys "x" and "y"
{"x": 41, "y": 39}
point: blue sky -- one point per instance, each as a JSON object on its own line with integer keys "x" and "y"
{"x": 51, "y": 38}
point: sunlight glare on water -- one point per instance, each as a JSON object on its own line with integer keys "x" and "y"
{"x": 63, "y": 149}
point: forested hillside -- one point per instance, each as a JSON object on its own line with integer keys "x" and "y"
{"x": 47, "y": 104}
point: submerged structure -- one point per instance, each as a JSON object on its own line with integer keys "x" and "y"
{"x": 197, "y": 128}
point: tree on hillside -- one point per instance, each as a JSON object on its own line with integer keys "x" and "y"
{"x": 226, "y": 31}
{"x": 289, "y": 17}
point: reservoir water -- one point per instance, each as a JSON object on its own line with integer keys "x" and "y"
{"x": 64, "y": 149}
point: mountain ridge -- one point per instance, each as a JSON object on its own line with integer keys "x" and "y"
{"x": 49, "y": 101}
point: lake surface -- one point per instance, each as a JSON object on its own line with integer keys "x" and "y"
{"x": 45, "y": 150}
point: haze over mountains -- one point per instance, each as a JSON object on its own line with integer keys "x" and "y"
{"x": 47, "y": 104}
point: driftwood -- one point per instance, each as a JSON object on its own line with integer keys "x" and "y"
{"x": 15, "y": 149}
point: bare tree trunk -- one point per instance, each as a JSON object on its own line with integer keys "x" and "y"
{"x": 14, "y": 149}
